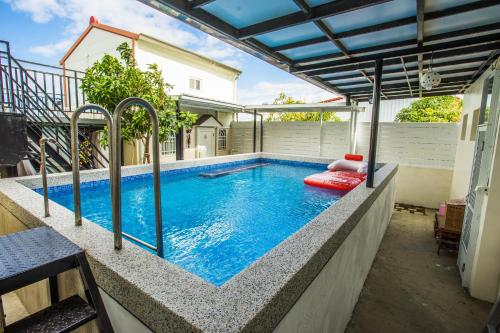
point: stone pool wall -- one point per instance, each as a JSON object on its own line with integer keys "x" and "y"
{"x": 143, "y": 292}
{"x": 327, "y": 304}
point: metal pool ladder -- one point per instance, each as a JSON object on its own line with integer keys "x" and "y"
{"x": 114, "y": 126}
{"x": 75, "y": 155}
{"x": 116, "y": 174}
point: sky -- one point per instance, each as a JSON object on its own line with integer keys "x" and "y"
{"x": 42, "y": 31}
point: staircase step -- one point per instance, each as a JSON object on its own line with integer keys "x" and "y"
{"x": 64, "y": 316}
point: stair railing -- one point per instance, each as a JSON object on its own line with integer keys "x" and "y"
{"x": 43, "y": 171}
{"x": 42, "y": 109}
{"x": 75, "y": 155}
{"x": 116, "y": 174}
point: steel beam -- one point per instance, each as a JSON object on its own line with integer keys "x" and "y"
{"x": 398, "y": 70}
{"x": 489, "y": 42}
{"x": 403, "y": 86}
{"x": 406, "y": 74}
{"x": 420, "y": 41}
{"x": 199, "y": 3}
{"x": 317, "y": 13}
{"x": 424, "y": 94}
{"x": 484, "y": 66}
{"x": 402, "y": 76}
{"x": 401, "y": 22}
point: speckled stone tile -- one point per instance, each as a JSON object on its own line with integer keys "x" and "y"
{"x": 169, "y": 299}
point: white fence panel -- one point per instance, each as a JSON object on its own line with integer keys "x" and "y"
{"x": 415, "y": 144}
{"x": 242, "y": 137}
{"x": 335, "y": 139}
{"x": 300, "y": 138}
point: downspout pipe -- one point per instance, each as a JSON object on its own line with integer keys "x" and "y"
{"x": 254, "y": 130}
{"x": 179, "y": 137}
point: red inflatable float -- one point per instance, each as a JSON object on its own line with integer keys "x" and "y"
{"x": 336, "y": 180}
{"x": 343, "y": 177}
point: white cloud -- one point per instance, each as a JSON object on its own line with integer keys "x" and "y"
{"x": 130, "y": 15}
{"x": 126, "y": 14}
{"x": 214, "y": 48}
{"x": 51, "y": 49}
{"x": 41, "y": 11}
{"x": 266, "y": 92}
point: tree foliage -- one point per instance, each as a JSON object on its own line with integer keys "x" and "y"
{"x": 298, "y": 116}
{"x": 108, "y": 81}
{"x": 442, "y": 109}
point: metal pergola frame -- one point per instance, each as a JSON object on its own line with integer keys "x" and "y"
{"x": 191, "y": 102}
{"x": 472, "y": 41}
{"x": 460, "y": 53}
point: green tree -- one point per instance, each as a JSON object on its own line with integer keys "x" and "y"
{"x": 108, "y": 81}
{"x": 298, "y": 116}
{"x": 438, "y": 109}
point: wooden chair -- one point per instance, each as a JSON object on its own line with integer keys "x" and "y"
{"x": 448, "y": 228}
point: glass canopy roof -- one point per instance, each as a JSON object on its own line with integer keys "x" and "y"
{"x": 333, "y": 44}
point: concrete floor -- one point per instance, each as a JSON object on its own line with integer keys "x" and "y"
{"x": 411, "y": 289}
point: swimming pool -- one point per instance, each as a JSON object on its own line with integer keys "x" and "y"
{"x": 213, "y": 227}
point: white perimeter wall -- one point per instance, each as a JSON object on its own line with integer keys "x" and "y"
{"x": 425, "y": 151}
{"x": 327, "y": 304}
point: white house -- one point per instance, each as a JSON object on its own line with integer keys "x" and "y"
{"x": 188, "y": 72}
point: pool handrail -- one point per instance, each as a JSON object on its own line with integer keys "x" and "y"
{"x": 116, "y": 173}
{"x": 43, "y": 171}
{"x": 75, "y": 155}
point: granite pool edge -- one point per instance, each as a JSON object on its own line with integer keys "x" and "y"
{"x": 307, "y": 251}
{"x": 256, "y": 299}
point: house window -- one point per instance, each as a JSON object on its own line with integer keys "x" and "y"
{"x": 168, "y": 146}
{"x": 194, "y": 83}
{"x": 222, "y": 139}
{"x": 464, "y": 127}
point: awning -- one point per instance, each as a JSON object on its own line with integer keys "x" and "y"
{"x": 194, "y": 103}
{"x": 309, "y": 107}
{"x": 333, "y": 44}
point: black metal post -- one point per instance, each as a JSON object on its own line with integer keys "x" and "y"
{"x": 348, "y": 100}
{"x": 261, "y": 134}
{"x": 372, "y": 156}
{"x": 9, "y": 63}
{"x": 179, "y": 137}
{"x": 254, "y": 130}
{"x": 1, "y": 87}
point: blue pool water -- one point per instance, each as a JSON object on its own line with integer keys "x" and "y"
{"x": 213, "y": 227}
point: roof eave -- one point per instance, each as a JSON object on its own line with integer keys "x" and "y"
{"x": 100, "y": 26}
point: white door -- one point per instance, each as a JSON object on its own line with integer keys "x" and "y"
{"x": 481, "y": 168}
{"x": 205, "y": 141}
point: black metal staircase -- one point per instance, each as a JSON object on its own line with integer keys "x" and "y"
{"x": 46, "y": 100}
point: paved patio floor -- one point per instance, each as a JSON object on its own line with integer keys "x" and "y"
{"x": 412, "y": 289}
